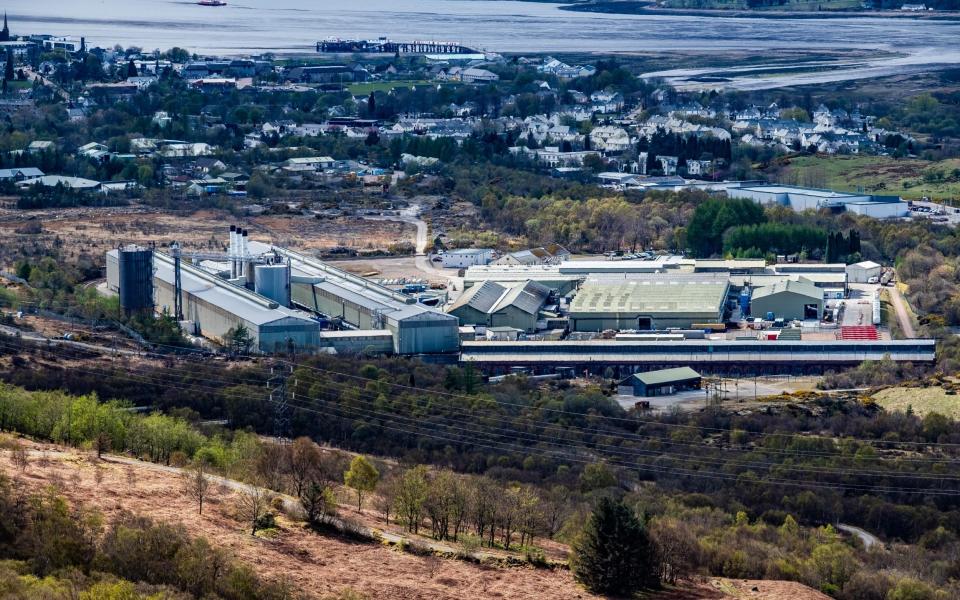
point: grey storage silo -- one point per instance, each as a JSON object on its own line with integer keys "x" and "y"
{"x": 273, "y": 281}
{"x": 135, "y": 266}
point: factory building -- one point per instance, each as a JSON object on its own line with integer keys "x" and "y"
{"x": 788, "y": 300}
{"x": 496, "y": 305}
{"x": 257, "y": 285}
{"x": 466, "y": 257}
{"x": 567, "y": 276}
{"x": 862, "y": 272}
{"x": 546, "y": 275}
{"x": 661, "y": 382}
{"x": 361, "y": 304}
{"x": 649, "y": 303}
{"x": 213, "y": 306}
{"x": 801, "y": 199}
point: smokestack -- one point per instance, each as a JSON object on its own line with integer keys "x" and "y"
{"x": 248, "y": 271}
{"x": 232, "y": 252}
{"x": 237, "y": 252}
{"x": 244, "y": 253}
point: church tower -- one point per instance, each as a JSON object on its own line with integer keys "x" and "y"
{"x": 5, "y": 32}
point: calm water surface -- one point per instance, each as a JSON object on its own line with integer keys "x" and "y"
{"x": 282, "y": 26}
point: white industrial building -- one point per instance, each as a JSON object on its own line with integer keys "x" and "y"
{"x": 213, "y": 306}
{"x": 466, "y": 257}
{"x": 862, "y": 272}
{"x": 215, "y": 298}
{"x": 800, "y": 199}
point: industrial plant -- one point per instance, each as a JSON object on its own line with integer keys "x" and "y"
{"x": 287, "y": 301}
{"x": 585, "y": 316}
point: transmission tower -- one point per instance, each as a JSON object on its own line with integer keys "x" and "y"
{"x": 277, "y": 385}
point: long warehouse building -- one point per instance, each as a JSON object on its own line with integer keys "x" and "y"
{"x": 676, "y": 301}
{"x": 733, "y": 356}
{"x": 214, "y": 306}
{"x": 363, "y": 304}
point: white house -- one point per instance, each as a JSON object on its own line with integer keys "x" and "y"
{"x": 474, "y": 75}
{"x": 607, "y": 102}
{"x": 610, "y": 138}
{"x": 699, "y": 167}
{"x": 466, "y": 257}
{"x": 553, "y": 158}
{"x": 668, "y": 164}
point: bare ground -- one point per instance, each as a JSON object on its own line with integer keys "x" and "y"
{"x": 95, "y": 230}
{"x": 316, "y": 564}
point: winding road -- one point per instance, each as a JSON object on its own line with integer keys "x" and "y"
{"x": 869, "y": 540}
{"x": 411, "y": 215}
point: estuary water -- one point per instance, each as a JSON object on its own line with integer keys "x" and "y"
{"x": 292, "y": 26}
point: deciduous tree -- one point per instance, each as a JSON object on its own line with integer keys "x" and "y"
{"x": 362, "y": 477}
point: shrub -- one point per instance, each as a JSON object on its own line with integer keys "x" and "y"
{"x": 267, "y": 520}
{"x": 536, "y": 557}
{"x": 911, "y": 589}
{"x": 867, "y": 585}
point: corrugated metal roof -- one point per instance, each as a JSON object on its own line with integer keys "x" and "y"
{"x": 481, "y": 297}
{"x": 665, "y": 376}
{"x": 651, "y": 297}
{"x": 801, "y": 286}
{"x": 528, "y": 297}
{"x": 491, "y": 297}
{"x": 243, "y": 303}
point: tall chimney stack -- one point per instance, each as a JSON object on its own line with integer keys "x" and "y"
{"x": 232, "y": 251}
{"x": 247, "y": 266}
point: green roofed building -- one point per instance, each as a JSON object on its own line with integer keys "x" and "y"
{"x": 657, "y": 303}
{"x": 788, "y": 300}
{"x": 660, "y": 383}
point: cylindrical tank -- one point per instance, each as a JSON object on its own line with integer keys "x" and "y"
{"x": 135, "y": 265}
{"x": 273, "y": 281}
{"x": 745, "y": 301}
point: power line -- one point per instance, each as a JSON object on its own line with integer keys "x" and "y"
{"x": 515, "y": 447}
{"x": 512, "y": 430}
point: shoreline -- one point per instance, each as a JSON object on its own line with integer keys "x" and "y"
{"x": 639, "y": 7}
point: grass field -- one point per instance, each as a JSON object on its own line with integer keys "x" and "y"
{"x": 910, "y": 178}
{"x": 360, "y": 89}
{"x": 923, "y": 401}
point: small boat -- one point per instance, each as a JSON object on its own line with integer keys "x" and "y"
{"x": 211, "y": 3}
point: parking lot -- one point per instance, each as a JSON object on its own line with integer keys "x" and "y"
{"x": 935, "y": 212}
{"x": 858, "y": 307}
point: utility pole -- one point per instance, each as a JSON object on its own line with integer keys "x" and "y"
{"x": 277, "y": 384}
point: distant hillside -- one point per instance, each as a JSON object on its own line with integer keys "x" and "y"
{"x": 910, "y": 178}
{"x": 772, "y": 8}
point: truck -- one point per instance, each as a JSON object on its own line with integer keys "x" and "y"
{"x": 886, "y": 278}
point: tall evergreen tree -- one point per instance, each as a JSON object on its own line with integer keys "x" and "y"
{"x": 614, "y": 555}
{"x": 8, "y": 70}
{"x": 131, "y": 69}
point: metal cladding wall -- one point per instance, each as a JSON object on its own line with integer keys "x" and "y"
{"x": 135, "y": 267}
{"x": 425, "y": 335}
{"x": 273, "y": 281}
{"x": 785, "y": 305}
